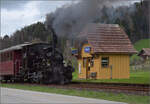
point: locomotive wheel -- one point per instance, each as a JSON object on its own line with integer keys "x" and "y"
{"x": 6, "y": 79}
{"x": 30, "y": 81}
{"x": 63, "y": 80}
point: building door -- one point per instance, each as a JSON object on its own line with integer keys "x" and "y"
{"x": 88, "y": 66}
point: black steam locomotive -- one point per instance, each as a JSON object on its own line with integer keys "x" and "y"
{"x": 43, "y": 64}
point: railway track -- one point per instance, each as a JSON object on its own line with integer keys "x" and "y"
{"x": 141, "y": 89}
{"x": 138, "y": 89}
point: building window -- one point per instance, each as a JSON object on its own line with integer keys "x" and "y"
{"x": 105, "y": 61}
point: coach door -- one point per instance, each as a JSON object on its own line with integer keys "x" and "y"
{"x": 17, "y": 65}
{"x": 17, "y": 61}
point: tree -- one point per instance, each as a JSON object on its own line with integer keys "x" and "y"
{"x": 6, "y": 41}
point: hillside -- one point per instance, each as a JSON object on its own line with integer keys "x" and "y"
{"x": 143, "y": 43}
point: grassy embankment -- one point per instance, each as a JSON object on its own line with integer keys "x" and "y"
{"x": 131, "y": 99}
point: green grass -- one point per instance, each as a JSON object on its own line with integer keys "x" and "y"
{"x": 75, "y": 75}
{"x": 144, "y": 43}
{"x": 131, "y": 99}
{"x": 136, "y": 77}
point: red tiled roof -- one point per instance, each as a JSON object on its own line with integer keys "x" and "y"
{"x": 107, "y": 38}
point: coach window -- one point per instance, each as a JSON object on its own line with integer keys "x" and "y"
{"x": 0, "y": 57}
{"x": 7, "y": 55}
{"x": 10, "y": 55}
{"x": 105, "y": 62}
{"x": 3, "y": 56}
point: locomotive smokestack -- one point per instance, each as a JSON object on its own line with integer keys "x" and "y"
{"x": 51, "y": 30}
{"x": 54, "y": 41}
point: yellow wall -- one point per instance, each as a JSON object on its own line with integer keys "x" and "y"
{"x": 119, "y": 62}
{"x": 82, "y": 75}
{"x": 83, "y": 54}
{"x": 120, "y": 66}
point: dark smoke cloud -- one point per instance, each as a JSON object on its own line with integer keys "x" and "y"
{"x": 70, "y": 19}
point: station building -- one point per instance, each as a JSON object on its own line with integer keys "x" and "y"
{"x": 103, "y": 52}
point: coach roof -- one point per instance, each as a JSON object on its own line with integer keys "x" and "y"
{"x": 20, "y": 46}
{"x": 17, "y": 47}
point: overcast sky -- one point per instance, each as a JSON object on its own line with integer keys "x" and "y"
{"x": 17, "y": 14}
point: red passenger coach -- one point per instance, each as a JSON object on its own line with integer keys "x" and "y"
{"x": 10, "y": 61}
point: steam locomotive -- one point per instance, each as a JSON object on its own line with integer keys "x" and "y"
{"x": 36, "y": 63}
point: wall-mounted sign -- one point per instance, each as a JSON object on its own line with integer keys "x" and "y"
{"x": 74, "y": 51}
{"x": 87, "y": 49}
